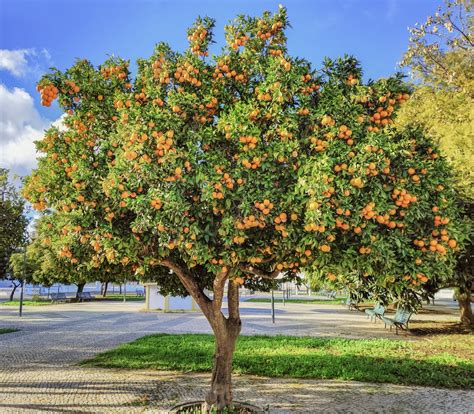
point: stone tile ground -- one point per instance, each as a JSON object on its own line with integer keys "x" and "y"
{"x": 38, "y": 375}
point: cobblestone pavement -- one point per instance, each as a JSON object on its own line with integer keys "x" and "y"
{"x": 38, "y": 375}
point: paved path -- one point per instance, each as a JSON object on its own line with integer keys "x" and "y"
{"x": 37, "y": 372}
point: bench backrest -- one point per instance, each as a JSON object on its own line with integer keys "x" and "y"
{"x": 60, "y": 295}
{"x": 379, "y": 309}
{"x": 402, "y": 316}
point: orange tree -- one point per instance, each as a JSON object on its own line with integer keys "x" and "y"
{"x": 61, "y": 252}
{"x": 382, "y": 199}
{"x": 212, "y": 173}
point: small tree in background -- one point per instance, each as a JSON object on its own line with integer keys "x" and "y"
{"x": 22, "y": 267}
{"x": 440, "y": 57}
{"x": 13, "y": 224}
{"x": 232, "y": 170}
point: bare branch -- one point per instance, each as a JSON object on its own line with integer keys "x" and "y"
{"x": 461, "y": 32}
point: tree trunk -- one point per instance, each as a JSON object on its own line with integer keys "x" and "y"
{"x": 463, "y": 295}
{"x": 106, "y": 285}
{"x": 226, "y": 331}
{"x": 220, "y": 394}
{"x": 467, "y": 318}
{"x": 13, "y": 291}
{"x": 80, "y": 289}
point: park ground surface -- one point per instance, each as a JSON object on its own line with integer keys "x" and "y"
{"x": 39, "y": 371}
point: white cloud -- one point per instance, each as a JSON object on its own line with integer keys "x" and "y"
{"x": 20, "y": 62}
{"x": 20, "y": 126}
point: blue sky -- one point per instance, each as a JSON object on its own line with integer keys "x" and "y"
{"x": 36, "y": 34}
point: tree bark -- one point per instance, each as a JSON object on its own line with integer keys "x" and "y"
{"x": 80, "y": 289}
{"x": 106, "y": 285}
{"x": 463, "y": 295}
{"x": 226, "y": 331}
{"x": 220, "y": 394}
{"x": 13, "y": 291}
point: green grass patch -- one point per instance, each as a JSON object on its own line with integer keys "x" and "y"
{"x": 372, "y": 360}
{"x": 117, "y": 297}
{"x": 305, "y": 301}
{"x": 41, "y": 302}
{"x": 8, "y": 330}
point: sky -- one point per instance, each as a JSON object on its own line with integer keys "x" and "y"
{"x": 38, "y": 34}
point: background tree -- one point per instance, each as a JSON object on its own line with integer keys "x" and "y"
{"x": 22, "y": 266}
{"x": 13, "y": 224}
{"x": 54, "y": 263}
{"x": 440, "y": 58}
{"x": 214, "y": 173}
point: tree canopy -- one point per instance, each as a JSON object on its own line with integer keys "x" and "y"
{"x": 239, "y": 167}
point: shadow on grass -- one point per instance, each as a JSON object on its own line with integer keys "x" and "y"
{"x": 376, "y": 360}
{"x": 423, "y": 328}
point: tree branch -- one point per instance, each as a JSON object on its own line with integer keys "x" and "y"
{"x": 218, "y": 289}
{"x": 260, "y": 273}
{"x": 233, "y": 301}
{"x": 190, "y": 284}
{"x": 461, "y": 32}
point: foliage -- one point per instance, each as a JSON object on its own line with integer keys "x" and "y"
{"x": 431, "y": 363}
{"x": 441, "y": 56}
{"x": 182, "y": 165}
{"x": 448, "y": 116}
{"x": 22, "y": 267}
{"x": 47, "y": 263}
{"x": 13, "y": 223}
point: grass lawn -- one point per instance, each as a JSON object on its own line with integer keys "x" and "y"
{"x": 41, "y": 302}
{"x": 8, "y": 330}
{"x": 113, "y": 297}
{"x": 441, "y": 361}
{"x": 306, "y": 301}
{"x": 119, "y": 297}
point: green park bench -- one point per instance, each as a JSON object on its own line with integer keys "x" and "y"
{"x": 85, "y": 296}
{"x": 59, "y": 297}
{"x": 350, "y": 303}
{"x": 400, "y": 320}
{"x": 331, "y": 294}
{"x": 376, "y": 312}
